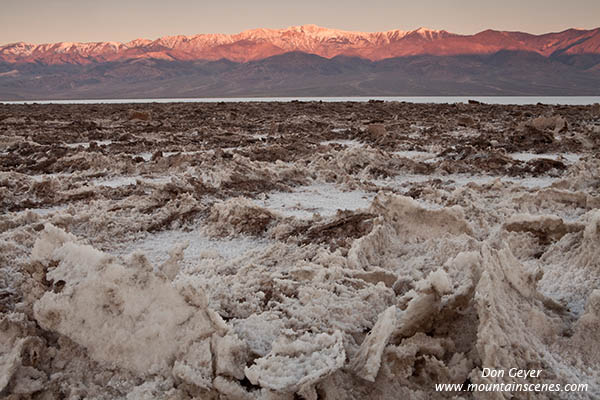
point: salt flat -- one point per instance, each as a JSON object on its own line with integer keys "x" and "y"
{"x": 265, "y": 250}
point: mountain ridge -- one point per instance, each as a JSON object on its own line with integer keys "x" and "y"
{"x": 256, "y": 44}
{"x": 307, "y": 61}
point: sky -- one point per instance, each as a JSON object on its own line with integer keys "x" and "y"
{"x": 47, "y": 21}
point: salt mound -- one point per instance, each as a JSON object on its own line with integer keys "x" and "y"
{"x": 555, "y": 123}
{"x": 411, "y": 220}
{"x": 239, "y": 216}
{"x": 118, "y": 310}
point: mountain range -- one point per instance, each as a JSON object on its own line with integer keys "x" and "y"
{"x": 307, "y": 61}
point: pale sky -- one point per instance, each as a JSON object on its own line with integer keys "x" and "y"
{"x": 46, "y": 21}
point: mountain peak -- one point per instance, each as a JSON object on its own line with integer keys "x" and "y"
{"x": 424, "y": 30}
{"x": 138, "y": 42}
{"x": 307, "y": 28}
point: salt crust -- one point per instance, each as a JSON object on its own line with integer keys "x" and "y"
{"x": 425, "y": 296}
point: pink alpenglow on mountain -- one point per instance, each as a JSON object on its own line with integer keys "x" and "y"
{"x": 261, "y": 43}
{"x": 308, "y": 61}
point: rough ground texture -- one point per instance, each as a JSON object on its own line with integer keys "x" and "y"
{"x": 297, "y": 250}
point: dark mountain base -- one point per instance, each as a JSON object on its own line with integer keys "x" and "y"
{"x": 299, "y": 74}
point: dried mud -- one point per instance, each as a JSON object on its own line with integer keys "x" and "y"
{"x": 297, "y": 250}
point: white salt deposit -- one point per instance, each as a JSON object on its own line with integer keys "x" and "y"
{"x": 423, "y": 156}
{"x": 565, "y": 157}
{"x": 86, "y": 145}
{"x": 183, "y": 153}
{"x": 48, "y": 210}
{"x": 145, "y": 155}
{"x": 42, "y": 177}
{"x": 402, "y": 182}
{"x": 119, "y": 181}
{"x": 343, "y": 142}
{"x": 157, "y": 246}
{"x": 323, "y": 199}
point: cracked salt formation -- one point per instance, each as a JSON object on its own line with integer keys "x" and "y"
{"x": 285, "y": 268}
{"x": 296, "y": 365}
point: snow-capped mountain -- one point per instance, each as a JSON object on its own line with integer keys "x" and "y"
{"x": 261, "y": 43}
{"x": 307, "y": 61}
